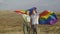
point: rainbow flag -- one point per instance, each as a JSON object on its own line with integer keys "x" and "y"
{"x": 47, "y": 17}
{"x": 20, "y": 11}
{"x": 24, "y": 11}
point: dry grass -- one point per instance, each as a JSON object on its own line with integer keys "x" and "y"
{"x": 11, "y": 23}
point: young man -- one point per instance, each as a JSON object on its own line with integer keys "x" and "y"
{"x": 34, "y": 20}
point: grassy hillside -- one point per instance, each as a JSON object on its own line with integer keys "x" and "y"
{"x": 11, "y": 23}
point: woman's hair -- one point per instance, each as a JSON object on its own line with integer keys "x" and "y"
{"x": 26, "y": 12}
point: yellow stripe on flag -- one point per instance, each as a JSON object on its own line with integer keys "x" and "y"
{"x": 46, "y": 16}
{"x": 23, "y": 11}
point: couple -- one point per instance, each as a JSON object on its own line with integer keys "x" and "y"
{"x": 32, "y": 19}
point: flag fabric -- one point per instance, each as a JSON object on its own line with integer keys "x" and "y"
{"x": 47, "y": 17}
{"x": 24, "y": 11}
{"x": 20, "y": 11}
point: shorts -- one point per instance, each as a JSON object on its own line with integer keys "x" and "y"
{"x": 34, "y": 27}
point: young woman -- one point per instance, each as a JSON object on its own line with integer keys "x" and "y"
{"x": 26, "y": 19}
{"x": 34, "y": 20}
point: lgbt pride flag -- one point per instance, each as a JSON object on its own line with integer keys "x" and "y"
{"x": 47, "y": 17}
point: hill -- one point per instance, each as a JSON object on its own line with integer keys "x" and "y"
{"x": 11, "y": 23}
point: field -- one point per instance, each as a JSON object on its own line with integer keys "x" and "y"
{"x": 11, "y": 23}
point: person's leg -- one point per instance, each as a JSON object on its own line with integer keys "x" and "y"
{"x": 34, "y": 29}
{"x": 28, "y": 28}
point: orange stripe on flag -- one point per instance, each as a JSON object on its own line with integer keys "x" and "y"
{"x": 20, "y": 12}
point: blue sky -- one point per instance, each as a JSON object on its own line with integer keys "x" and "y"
{"x": 26, "y": 4}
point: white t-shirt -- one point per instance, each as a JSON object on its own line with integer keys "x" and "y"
{"x": 34, "y": 19}
{"x": 26, "y": 17}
